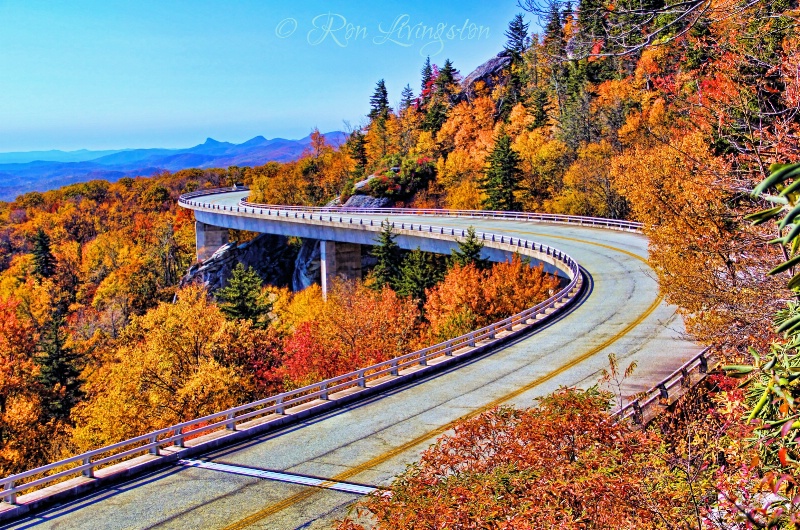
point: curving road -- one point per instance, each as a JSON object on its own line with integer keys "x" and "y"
{"x": 370, "y": 442}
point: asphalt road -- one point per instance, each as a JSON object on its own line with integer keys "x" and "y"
{"x": 370, "y": 442}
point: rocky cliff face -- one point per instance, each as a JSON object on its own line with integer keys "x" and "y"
{"x": 306, "y": 266}
{"x": 271, "y": 256}
{"x": 489, "y": 73}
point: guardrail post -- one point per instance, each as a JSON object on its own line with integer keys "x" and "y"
{"x": 154, "y": 449}
{"x": 663, "y": 393}
{"x": 472, "y": 340}
{"x": 89, "y": 471}
{"x": 638, "y": 416}
{"x": 362, "y": 381}
{"x": 510, "y": 326}
{"x": 423, "y": 359}
{"x": 10, "y": 498}
{"x": 685, "y": 378}
{"x": 280, "y": 409}
{"x": 492, "y": 333}
{"x": 179, "y": 442}
{"x": 394, "y": 371}
{"x": 324, "y": 389}
{"x": 703, "y": 363}
{"x": 231, "y": 425}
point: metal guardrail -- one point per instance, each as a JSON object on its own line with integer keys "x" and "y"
{"x": 660, "y": 394}
{"x": 612, "y": 224}
{"x": 175, "y": 435}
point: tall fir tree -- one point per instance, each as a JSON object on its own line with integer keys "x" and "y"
{"x": 435, "y": 117}
{"x": 356, "y": 147}
{"x": 58, "y": 369}
{"x": 516, "y": 47}
{"x": 44, "y": 263}
{"x": 469, "y": 251}
{"x": 389, "y": 256}
{"x": 590, "y": 19}
{"x": 418, "y": 273}
{"x": 241, "y": 298}
{"x": 442, "y": 98}
{"x": 406, "y": 98}
{"x": 427, "y": 75}
{"x": 379, "y": 102}
{"x": 553, "y": 39}
{"x": 538, "y": 103}
{"x": 517, "y": 35}
{"x": 502, "y": 177}
{"x": 446, "y": 81}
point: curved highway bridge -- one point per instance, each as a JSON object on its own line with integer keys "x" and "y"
{"x": 306, "y": 474}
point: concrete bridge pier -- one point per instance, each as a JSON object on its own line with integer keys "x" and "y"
{"x": 209, "y": 238}
{"x": 339, "y": 259}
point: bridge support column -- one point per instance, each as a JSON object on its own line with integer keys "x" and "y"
{"x": 339, "y": 259}
{"x": 209, "y": 238}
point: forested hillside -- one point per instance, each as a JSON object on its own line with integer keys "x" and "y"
{"x": 668, "y": 113}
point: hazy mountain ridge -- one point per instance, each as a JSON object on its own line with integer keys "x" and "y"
{"x": 39, "y": 175}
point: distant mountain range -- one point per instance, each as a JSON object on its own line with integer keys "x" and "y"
{"x": 44, "y": 170}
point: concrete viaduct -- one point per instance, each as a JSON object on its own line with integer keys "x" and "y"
{"x": 300, "y": 459}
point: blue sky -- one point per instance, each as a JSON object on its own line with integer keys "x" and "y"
{"x": 112, "y": 74}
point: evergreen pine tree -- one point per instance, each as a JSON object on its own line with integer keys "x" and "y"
{"x": 435, "y": 117}
{"x": 418, "y": 272}
{"x": 44, "y": 264}
{"x": 469, "y": 251}
{"x": 379, "y": 102}
{"x": 553, "y": 39}
{"x": 590, "y": 19}
{"x": 537, "y": 107}
{"x": 427, "y": 74}
{"x": 58, "y": 369}
{"x": 241, "y": 298}
{"x": 516, "y": 46}
{"x": 446, "y": 80}
{"x": 502, "y": 177}
{"x": 389, "y": 256}
{"x": 356, "y": 147}
{"x": 517, "y": 35}
{"x": 407, "y": 98}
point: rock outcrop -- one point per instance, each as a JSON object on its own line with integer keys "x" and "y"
{"x": 271, "y": 256}
{"x": 365, "y": 201}
{"x": 489, "y": 73}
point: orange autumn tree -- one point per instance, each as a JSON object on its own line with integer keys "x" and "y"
{"x": 565, "y": 463}
{"x": 22, "y": 427}
{"x": 179, "y": 361}
{"x": 358, "y": 327}
{"x": 469, "y": 298}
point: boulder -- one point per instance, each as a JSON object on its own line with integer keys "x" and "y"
{"x": 365, "y": 201}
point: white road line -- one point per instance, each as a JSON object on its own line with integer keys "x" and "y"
{"x": 279, "y": 476}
